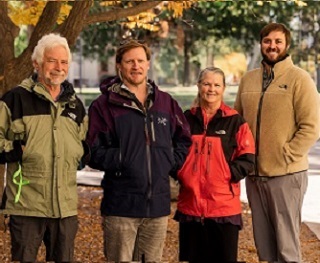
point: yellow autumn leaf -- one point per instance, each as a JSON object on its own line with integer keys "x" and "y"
{"x": 109, "y": 3}
{"x": 178, "y": 7}
{"x": 300, "y": 3}
{"x": 64, "y": 12}
{"x": 28, "y": 13}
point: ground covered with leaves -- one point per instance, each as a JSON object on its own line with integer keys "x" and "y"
{"x": 89, "y": 240}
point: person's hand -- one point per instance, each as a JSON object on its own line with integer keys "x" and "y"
{"x": 86, "y": 154}
{"x": 235, "y": 178}
{"x": 15, "y": 155}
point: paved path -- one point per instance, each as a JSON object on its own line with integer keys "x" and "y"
{"x": 311, "y": 204}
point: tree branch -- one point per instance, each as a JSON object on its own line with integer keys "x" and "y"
{"x": 73, "y": 25}
{"x": 46, "y": 22}
{"x": 122, "y": 13}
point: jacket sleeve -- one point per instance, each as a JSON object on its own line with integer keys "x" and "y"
{"x": 237, "y": 103}
{"x": 103, "y": 144}
{"x": 243, "y": 161}
{"x": 10, "y": 150}
{"x": 306, "y": 106}
{"x": 181, "y": 140}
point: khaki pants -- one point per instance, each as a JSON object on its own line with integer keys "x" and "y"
{"x": 276, "y": 215}
{"x": 131, "y": 239}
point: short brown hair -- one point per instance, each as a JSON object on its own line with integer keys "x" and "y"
{"x": 129, "y": 44}
{"x": 276, "y": 27}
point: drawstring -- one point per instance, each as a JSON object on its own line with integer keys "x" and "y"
{"x": 19, "y": 183}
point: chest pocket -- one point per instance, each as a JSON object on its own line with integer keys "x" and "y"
{"x": 229, "y": 144}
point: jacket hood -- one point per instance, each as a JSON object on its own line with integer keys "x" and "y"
{"x": 114, "y": 83}
{"x": 109, "y": 82}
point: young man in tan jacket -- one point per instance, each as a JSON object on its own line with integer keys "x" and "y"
{"x": 281, "y": 104}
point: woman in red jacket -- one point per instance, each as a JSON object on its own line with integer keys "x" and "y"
{"x": 222, "y": 153}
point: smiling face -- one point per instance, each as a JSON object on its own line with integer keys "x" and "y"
{"x": 54, "y": 68}
{"x": 274, "y": 47}
{"x": 211, "y": 88}
{"x": 133, "y": 67}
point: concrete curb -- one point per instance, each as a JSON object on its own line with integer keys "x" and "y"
{"x": 314, "y": 227}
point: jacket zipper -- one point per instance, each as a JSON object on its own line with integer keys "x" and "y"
{"x": 148, "y": 143}
{"x": 258, "y": 130}
{"x": 118, "y": 173}
{"x": 208, "y": 158}
{"x": 196, "y": 151}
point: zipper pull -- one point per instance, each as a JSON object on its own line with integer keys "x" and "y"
{"x": 152, "y": 129}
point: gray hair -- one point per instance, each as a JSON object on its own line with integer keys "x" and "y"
{"x": 196, "y": 101}
{"x": 214, "y": 70}
{"x": 47, "y": 42}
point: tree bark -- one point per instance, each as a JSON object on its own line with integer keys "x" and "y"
{"x": 72, "y": 26}
{"x": 8, "y": 32}
{"x": 121, "y": 13}
{"x": 1, "y": 194}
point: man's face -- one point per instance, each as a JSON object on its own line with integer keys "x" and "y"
{"x": 54, "y": 68}
{"x": 274, "y": 47}
{"x": 133, "y": 67}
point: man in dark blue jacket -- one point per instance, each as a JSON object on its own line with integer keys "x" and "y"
{"x": 138, "y": 136}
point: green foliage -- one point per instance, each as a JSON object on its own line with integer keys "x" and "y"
{"x": 99, "y": 40}
{"x": 21, "y": 42}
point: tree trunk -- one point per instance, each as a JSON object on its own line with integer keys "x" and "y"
{"x": 187, "y": 48}
{"x": 210, "y": 56}
{"x": 1, "y": 194}
{"x": 254, "y": 60}
{"x": 8, "y": 32}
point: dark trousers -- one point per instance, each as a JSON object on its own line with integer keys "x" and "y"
{"x": 208, "y": 242}
{"x": 58, "y": 235}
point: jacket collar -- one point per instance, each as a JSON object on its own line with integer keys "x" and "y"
{"x": 280, "y": 67}
{"x": 32, "y": 85}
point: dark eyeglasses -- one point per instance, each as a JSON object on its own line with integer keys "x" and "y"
{"x": 131, "y": 40}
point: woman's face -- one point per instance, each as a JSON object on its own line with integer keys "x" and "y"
{"x": 211, "y": 88}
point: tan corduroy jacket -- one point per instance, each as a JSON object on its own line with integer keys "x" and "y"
{"x": 284, "y": 119}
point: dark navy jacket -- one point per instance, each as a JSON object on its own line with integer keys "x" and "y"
{"x": 137, "y": 148}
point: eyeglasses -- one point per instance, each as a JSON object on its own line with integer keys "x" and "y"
{"x": 131, "y": 40}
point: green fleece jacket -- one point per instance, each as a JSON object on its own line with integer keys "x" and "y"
{"x": 52, "y": 134}
{"x": 284, "y": 118}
